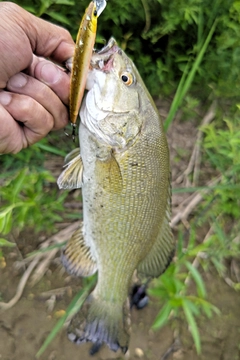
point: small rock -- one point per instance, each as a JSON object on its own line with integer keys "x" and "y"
{"x": 178, "y": 355}
{"x": 139, "y": 352}
{"x": 58, "y": 314}
{"x": 2, "y": 263}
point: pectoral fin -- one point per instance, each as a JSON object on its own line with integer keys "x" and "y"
{"x": 76, "y": 256}
{"x": 74, "y": 153}
{"x": 162, "y": 252}
{"x": 109, "y": 173}
{"x": 71, "y": 177}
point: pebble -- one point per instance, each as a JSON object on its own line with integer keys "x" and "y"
{"x": 58, "y": 314}
{"x": 139, "y": 352}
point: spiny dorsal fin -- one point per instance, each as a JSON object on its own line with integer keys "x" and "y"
{"x": 71, "y": 177}
{"x": 162, "y": 252}
{"x": 76, "y": 256}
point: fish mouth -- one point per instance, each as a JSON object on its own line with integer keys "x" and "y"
{"x": 103, "y": 59}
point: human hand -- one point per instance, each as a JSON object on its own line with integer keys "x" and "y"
{"x": 33, "y": 90}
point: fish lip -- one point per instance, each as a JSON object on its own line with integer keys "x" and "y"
{"x": 111, "y": 46}
{"x": 103, "y": 59}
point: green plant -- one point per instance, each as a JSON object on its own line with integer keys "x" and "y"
{"x": 173, "y": 290}
{"x": 26, "y": 199}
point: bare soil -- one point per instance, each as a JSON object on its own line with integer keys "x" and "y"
{"x": 24, "y": 327}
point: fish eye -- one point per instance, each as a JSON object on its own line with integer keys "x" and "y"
{"x": 127, "y": 78}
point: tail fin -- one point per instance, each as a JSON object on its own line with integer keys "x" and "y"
{"x": 104, "y": 321}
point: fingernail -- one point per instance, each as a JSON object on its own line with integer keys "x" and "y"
{"x": 5, "y": 98}
{"x": 17, "y": 81}
{"x": 50, "y": 74}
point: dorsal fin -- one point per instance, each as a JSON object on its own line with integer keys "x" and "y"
{"x": 71, "y": 177}
{"x": 76, "y": 256}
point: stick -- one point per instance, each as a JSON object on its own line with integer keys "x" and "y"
{"x": 20, "y": 288}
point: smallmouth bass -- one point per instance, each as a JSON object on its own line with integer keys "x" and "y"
{"x": 123, "y": 169}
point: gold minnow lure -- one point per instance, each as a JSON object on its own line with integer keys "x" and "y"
{"x": 82, "y": 56}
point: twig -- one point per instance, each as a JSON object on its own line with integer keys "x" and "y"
{"x": 57, "y": 292}
{"x": 195, "y": 159}
{"x": 206, "y": 120}
{"x": 147, "y": 16}
{"x": 61, "y": 236}
{"x": 175, "y": 346}
{"x": 58, "y": 238}
{"x": 196, "y": 198}
{"x": 20, "y": 288}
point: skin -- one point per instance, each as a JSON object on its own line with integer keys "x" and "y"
{"x": 34, "y": 91}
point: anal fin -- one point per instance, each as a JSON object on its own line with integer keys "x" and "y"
{"x": 71, "y": 177}
{"x": 76, "y": 256}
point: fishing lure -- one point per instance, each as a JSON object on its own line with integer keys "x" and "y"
{"x": 82, "y": 56}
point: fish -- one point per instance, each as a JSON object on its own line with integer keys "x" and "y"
{"x": 82, "y": 56}
{"x": 123, "y": 169}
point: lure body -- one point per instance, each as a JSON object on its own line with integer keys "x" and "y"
{"x": 81, "y": 60}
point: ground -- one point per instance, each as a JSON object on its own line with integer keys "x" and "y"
{"x": 24, "y": 327}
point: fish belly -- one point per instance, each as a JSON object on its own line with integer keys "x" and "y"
{"x": 123, "y": 208}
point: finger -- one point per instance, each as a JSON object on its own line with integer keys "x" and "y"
{"x": 10, "y": 132}
{"x": 52, "y": 75}
{"x": 46, "y": 39}
{"x": 42, "y": 94}
{"x": 36, "y": 121}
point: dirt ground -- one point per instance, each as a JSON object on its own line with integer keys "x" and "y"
{"x": 24, "y": 327}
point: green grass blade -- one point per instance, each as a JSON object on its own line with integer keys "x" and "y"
{"x": 162, "y": 316}
{"x": 187, "y": 80}
{"x": 177, "y": 99}
{"x": 197, "y": 278}
{"x": 46, "y": 249}
{"x": 50, "y": 149}
{"x": 74, "y": 306}
{"x": 193, "y": 325}
{"x": 4, "y": 242}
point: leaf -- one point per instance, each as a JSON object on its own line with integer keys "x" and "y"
{"x": 4, "y": 242}
{"x": 162, "y": 316}
{"x": 50, "y": 149}
{"x": 19, "y": 182}
{"x": 192, "y": 323}
{"x": 187, "y": 79}
{"x": 8, "y": 223}
{"x": 59, "y": 17}
{"x": 197, "y": 278}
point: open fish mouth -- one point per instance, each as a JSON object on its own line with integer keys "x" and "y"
{"x": 103, "y": 59}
